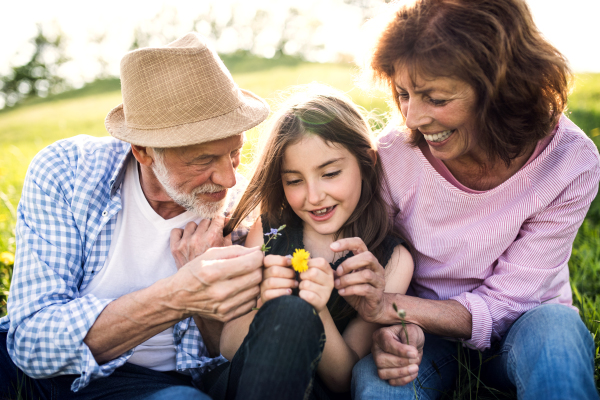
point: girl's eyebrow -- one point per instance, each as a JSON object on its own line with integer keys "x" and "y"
{"x": 326, "y": 163}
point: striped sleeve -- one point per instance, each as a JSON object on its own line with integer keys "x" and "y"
{"x": 526, "y": 270}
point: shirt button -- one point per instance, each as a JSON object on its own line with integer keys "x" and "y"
{"x": 104, "y": 213}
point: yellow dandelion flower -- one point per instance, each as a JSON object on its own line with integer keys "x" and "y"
{"x": 7, "y": 258}
{"x": 300, "y": 260}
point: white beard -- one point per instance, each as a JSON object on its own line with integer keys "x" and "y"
{"x": 190, "y": 201}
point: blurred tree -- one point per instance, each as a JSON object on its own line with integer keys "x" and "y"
{"x": 38, "y": 76}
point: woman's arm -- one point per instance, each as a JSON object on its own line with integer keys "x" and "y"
{"x": 342, "y": 352}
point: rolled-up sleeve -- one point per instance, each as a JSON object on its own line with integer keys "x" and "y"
{"x": 48, "y": 319}
{"x": 530, "y": 267}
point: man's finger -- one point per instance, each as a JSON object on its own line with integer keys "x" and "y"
{"x": 354, "y": 244}
{"x": 217, "y": 223}
{"x": 387, "y": 360}
{"x": 175, "y": 237}
{"x": 210, "y": 271}
{"x": 189, "y": 229}
{"x": 222, "y": 253}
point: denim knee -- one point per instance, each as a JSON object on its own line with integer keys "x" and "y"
{"x": 284, "y": 307}
{"x": 178, "y": 392}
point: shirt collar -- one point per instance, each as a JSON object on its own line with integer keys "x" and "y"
{"x": 119, "y": 174}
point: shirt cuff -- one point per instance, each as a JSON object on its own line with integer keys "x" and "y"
{"x": 481, "y": 320}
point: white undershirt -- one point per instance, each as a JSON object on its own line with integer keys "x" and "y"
{"x": 139, "y": 256}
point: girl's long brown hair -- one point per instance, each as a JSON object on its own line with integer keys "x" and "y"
{"x": 327, "y": 113}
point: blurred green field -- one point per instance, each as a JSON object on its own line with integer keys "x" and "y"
{"x": 26, "y": 129}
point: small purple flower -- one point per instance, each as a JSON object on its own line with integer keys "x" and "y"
{"x": 273, "y": 232}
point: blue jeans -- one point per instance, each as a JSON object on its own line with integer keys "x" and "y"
{"x": 548, "y": 353}
{"x": 278, "y": 359}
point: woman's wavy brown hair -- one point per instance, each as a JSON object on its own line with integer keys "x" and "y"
{"x": 327, "y": 113}
{"x": 521, "y": 81}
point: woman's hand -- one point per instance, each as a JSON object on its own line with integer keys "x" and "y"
{"x": 278, "y": 278}
{"x": 317, "y": 283}
{"x": 396, "y": 361}
{"x": 361, "y": 279}
{"x": 195, "y": 239}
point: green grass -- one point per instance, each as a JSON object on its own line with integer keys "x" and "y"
{"x": 28, "y": 128}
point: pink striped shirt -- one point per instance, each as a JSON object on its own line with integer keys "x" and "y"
{"x": 499, "y": 252}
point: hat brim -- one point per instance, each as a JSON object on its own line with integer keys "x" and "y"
{"x": 252, "y": 111}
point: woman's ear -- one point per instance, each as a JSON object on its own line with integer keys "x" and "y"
{"x": 373, "y": 155}
{"x": 141, "y": 155}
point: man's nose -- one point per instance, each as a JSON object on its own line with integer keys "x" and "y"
{"x": 224, "y": 173}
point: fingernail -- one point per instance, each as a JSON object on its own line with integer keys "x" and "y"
{"x": 413, "y": 369}
{"x": 334, "y": 246}
{"x": 341, "y": 291}
{"x": 339, "y": 270}
{"x": 411, "y": 355}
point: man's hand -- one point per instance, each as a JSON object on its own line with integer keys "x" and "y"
{"x": 397, "y": 362}
{"x": 194, "y": 240}
{"x": 221, "y": 284}
{"x": 360, "y": 280}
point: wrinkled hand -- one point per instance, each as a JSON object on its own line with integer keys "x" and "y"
{"x": 360, "y": 279}
{"x": 317, "y": 283}
{"x": 278, "y": 278}
{"x": 194, "y": 240}
{"x": 397, "y": 362}
{"x": 221, "y": 284}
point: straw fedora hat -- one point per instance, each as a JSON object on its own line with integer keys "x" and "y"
{"x": 181, "y": 95}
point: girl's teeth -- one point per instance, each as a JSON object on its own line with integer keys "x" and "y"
{"x": 322, "y": 211}
{"x": 438, "y": 137}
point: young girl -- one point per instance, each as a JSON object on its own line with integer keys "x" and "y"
{"x": 320, "y": 175}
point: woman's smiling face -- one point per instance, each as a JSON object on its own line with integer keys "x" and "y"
{"x": 441, "y": 109}
{"x": 322, "y": 183}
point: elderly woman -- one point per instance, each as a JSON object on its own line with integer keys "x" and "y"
{"x": 491, "y": 182}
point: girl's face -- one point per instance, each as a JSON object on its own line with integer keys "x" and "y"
{"x": 322, "y": 183}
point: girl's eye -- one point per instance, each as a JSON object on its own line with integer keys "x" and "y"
{"x": 293, "y": 182}
{"x": 332, "y": 174}
{"x": 403, "y": 96}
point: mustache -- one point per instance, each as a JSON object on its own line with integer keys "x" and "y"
{"x": 209, "y": 188}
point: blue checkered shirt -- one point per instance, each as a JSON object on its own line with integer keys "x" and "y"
{"x": 66, "y": 217}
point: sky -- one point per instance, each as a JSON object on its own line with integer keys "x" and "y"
{"x": 571, "y": 26}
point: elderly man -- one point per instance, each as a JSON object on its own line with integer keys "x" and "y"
{"x": 114, "y": 294}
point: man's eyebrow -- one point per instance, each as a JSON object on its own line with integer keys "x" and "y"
{"x": 326, "y": 163}
{"x": 208, "y": 156}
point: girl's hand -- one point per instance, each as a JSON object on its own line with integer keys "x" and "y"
{"x": 278, "y": 278}
{"x": 317, "y": 283}
{"x": 360, "y": 279}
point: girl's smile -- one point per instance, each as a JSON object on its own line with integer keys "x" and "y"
{"x": 322, "y": 183}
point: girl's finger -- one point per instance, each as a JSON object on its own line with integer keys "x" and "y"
{"x": 318, "y": 276}
{"x": 279, "y": 272}
{"x": 355, "y": 245}
{"x": 273, "y": 260}
{"x": 274, "y": 293}
{"x": 279, "y": 283}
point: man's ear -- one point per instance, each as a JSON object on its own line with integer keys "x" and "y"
{"x": 141, "y": 155}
